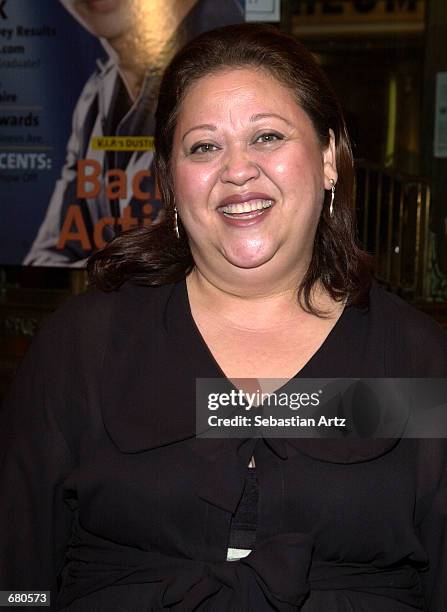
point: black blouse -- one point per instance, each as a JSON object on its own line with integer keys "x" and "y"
{"x": 245, "y": 518}
{"x": 109, "y": 499}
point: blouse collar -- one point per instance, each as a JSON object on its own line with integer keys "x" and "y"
{"x": 145, "y": 407}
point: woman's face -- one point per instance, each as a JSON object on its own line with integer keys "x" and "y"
{"x": 249, "y": 174}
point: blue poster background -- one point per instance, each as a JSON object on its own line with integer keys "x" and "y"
{"x": 65, "y": 61}
{"x": 46, "y": 58}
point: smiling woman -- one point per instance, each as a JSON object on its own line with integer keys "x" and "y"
{"x": 253, "y": 275}
{"x": 250, "y": 119}
{"x": 257, "y": 167}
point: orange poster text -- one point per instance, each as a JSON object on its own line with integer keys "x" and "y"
{"x": 74, "y": 228}
{"x": 89, "y": 182}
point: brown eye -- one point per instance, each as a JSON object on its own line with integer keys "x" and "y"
{"x": 203, "y": 148}
{"x": 269, "y": 137}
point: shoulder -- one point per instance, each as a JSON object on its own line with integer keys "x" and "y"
{"x": 94, "y": 312}
{"x": 92, "y": 342}
{"x": 413, "y": 333}
{"x": 69, "y": 350}
{"x": 83, "y": 311}
{"x": 413, "y": 323}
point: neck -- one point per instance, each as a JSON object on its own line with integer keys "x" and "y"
{"x": 266, "y": 309}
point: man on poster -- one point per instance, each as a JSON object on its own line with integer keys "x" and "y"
{"x": 104, "y": 189}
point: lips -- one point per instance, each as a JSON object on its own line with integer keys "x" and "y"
{"x": 241, "y": 205}
{"x": 239, "y": 198}
{"x": 245, "y": 209}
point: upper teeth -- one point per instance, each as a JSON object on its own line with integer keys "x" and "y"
{"x": 245, "y": 207}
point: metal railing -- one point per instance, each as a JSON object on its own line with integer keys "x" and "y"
{"x": 393, "y": 211}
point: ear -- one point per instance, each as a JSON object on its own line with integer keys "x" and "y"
{"x": 329, "y": 162}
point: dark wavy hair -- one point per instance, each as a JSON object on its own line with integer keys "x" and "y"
{"x": 154, "y": 255}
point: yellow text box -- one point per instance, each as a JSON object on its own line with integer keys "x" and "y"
{"x": 122, "y": 143}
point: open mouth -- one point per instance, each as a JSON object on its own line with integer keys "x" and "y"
{"x": 246, "y": 210}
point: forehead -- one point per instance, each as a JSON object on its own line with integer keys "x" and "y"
{"x": 239, "y": 90}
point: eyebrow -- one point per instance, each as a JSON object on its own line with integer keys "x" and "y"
{"x": 203, "y": 126}
{"x": 253, "y": 118}
{"x": 267, "y": 115}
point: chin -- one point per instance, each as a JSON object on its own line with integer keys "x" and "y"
{"x": 248, "y": 261}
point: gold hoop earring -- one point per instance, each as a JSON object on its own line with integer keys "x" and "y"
{"x": 331, "y": 205}
{"x": 177, "y": 233}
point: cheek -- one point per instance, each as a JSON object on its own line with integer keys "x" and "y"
{"x": 292, "y": 176}
{"x": 300, "y": 179}
{"x": 192, "y": 186}
{"x": 294, "y": 167}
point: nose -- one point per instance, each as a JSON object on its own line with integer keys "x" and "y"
{"x": 238, "y": 167}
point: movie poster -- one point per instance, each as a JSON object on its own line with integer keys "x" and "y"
{"x": 78, "y": 83}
